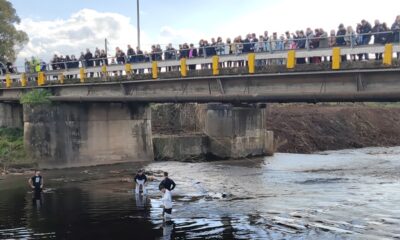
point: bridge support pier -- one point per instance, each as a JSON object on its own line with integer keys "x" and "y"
{"x": 11, "y": 115}
{"x": 237, "y": 132}
{"x": 83, "y": 134}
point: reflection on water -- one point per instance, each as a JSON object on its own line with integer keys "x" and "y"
{"x": 332, "y": 195}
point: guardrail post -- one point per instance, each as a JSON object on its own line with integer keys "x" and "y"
{"x": 215, "y": 65}
{"x": 82, "y": 75}
{"x": 388, "y": 55}
{"x": 251, "y": 58}
{"x": 23, "y": 80}
{"x": 291, "y": 59}
{"x": 8, "y": 81}
{"x": 154, "y": 69}
{"x": 128, "y": 68}
{"x": 336, "y": 58}
{"x": 183, "y": 67}
{"x": 61, "y": 78}
{"x": 41, "y": 79}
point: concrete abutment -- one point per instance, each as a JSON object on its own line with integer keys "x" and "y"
{"x": 81, "y": 134}
{"x": 11, "y": 115}
{"x": 84, "y": 134}
{"x": 210, "y": 131}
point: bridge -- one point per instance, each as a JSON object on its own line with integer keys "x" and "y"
{"x": 103, "y": 119}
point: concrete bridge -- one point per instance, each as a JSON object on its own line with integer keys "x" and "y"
{"x": 104, "y": 119}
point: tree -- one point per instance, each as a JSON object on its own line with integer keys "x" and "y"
{"x": 11, "y": 39}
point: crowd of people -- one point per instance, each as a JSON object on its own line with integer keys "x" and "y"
{"x": 363, "y": 34}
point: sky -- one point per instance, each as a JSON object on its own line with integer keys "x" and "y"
{"x": 69, "y": 27}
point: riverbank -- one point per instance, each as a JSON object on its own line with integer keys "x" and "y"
{"x": 307, "y": 128}
{"x": 12, "y": 153}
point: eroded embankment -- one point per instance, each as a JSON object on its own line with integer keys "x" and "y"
{"x": 304, "y": 128}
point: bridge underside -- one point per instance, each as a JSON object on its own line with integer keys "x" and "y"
{"x": 325, "y": 86}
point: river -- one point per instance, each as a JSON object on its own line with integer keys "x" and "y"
{"x": 349, "y": 194}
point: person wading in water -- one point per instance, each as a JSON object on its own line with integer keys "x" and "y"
{"x": 167, "y": 183}
{"x": 140, "y": 180}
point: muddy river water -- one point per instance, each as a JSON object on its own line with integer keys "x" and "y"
{"x": 349, "y": 194}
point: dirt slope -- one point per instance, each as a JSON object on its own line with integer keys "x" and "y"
{"x": 309, "y": 128}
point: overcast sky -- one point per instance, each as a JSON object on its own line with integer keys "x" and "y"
{"x": 69, "y": 27}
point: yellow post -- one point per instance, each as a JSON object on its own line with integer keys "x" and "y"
{"x": 154, "y": 69}
{"x": 128, "y": 68}
{"x": 8, "y": 81}
{"x": 251, "y": 58}
{"x": 24, "y": 82}
{"x": 291, "y": 59}
{"x": 215, "y": 65}
{"x": 388, "y": 55}
{"x": 183, "y": 67}
{"x": 104, "y": 69}
{"x": 61, "y": 78}
{"x": 336, "y": 58}
{"x": 41, "y": 79}
{"x": 82, "y": 75}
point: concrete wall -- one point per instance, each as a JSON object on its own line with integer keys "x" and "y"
{"x": 218, "y": 131}
{"x": 11, "y": 115}
{"x": 178, "y": 118}
{"x": 80, "y": 134}
{"x": 180, "y": 148}
{"x": 237, "y": 132}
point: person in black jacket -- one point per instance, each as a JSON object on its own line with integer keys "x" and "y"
{"x": 366, "y": 30}
{"x": 301, "y": 44}
{"x": 167, "y": 183}
{"x": 340, "y": 39}
{"x": 36, "y": 182}
{"x": 89, "y": 60}
{"x": 140, "y": 180}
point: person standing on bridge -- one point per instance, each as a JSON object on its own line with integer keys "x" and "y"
{"x": 140, "y": 180}
{"x": 168, "y": 183}
{"x": 36, "y": 182}
{"x": 396, "y": 32}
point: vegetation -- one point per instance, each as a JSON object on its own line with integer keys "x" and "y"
{"x": 11, "y": 39}
{"x": 36, "y": 97}
{"x": 12, "y": 151}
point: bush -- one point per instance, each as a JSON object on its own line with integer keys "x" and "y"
{"x": 36, "y": 97}
{"x": 11, "y": 146}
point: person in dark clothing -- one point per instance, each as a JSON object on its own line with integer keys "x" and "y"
{"x": 378, "y": 37}
{"x": 301, "y": 44}
{"x": 247, "y": 44}
{"x": 366, "y": 30}
{"x": 340, "y": 39}
{"x": 89, "y": 58}
{"x": 192, "y": 54}
{"x": 131, "y": 54}
{"x": 10, "y": 67}
{"x": 396, "y": 32}
{"x": 167, "y": 183}
{"x": 36, "y": 182}
{"x": 140, "y": 180}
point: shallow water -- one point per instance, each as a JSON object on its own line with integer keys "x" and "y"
{"x": 350, "y": 194}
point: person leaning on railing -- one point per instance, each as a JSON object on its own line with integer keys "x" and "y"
{"x": 396, "y": 32}
{"x": 351, "y": 40}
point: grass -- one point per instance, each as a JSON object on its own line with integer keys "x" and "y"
{"x": 36, "y": 97}
{"x": 12, "y": 153}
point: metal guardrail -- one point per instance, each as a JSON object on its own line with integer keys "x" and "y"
{"x": 175, "y": 65}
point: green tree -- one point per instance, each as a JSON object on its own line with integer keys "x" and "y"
{"x": 11, "y": 39}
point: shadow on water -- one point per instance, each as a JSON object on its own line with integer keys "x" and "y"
{"x": 334, "y": 195}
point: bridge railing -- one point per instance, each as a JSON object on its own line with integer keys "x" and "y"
{"x": 214, "y": 63}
